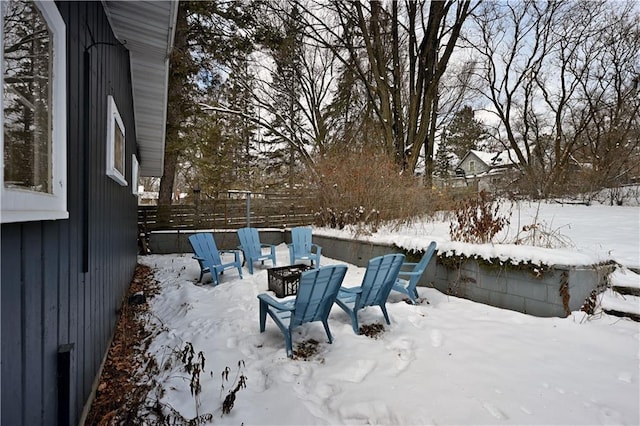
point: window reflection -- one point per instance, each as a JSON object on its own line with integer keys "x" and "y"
{"x": 118, "y": 149}
{"x": 27, "y": 44}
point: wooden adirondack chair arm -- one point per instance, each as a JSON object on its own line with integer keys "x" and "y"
{"x": 354, "y": 290}
{"x": 198, "y": 258}
{"x": 409, "y": 264}
{"x": 235, "y": 253}
{"x": 410, "y": 273}
{"x": 272, "y": 302}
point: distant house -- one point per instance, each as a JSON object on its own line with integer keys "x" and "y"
{"x": 84, "y": 106}
{"x": 488, "y": 171}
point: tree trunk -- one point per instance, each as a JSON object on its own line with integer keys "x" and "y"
{"x": 177, "y": 79}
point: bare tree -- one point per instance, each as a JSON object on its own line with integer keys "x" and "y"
{"x": 538, "y": 68}
{"x": 512, "y": 42}
{"x": 399, "y": 52}
{"x": 609, "y": 114}
{"x": 291, "y": 92}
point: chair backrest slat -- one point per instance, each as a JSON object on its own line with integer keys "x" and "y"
{"x": 381, "y": 274}
{"x": 301, "y": 239}
{"x": 422, "y": 265}
{"x": 250, "y": 241}
{"x": 317, "y": 291}
{"x": 204, "y": 246}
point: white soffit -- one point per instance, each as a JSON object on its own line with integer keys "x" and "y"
{"x": 147, "y": 29}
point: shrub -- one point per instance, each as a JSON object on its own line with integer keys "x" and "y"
{"x": 365, "y": 189}
{"x": 477, "y": 220}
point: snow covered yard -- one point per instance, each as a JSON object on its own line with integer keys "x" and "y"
{"x": 450, "y": 361}
{"x": 445, "y": 361}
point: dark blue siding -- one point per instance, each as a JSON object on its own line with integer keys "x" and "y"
{"x": 63, "y": 281}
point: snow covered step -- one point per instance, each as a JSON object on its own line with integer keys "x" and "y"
{"x": 630, "y": 291}
{"x": 624, "y": 277}
{"x": 620, "y": 305}
{"x": 623, "y": 298}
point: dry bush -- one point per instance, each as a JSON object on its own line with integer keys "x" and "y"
{"x": 365, "y": 190}
{"x": 477, "y": 220}
{"x": 541, "y": 234}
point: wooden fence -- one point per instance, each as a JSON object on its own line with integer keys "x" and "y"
{"x": 261, "y": 211}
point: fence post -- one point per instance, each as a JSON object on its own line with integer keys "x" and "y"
{"x": 196, "y": 202}
{"x": 248, "y": 209}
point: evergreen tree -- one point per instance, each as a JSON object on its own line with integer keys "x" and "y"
{"x": 464, "y": 133}
{"x": 240, "y": 131}
{"x": 208, "y": 34}
{"x": 285, "y": 45}
{"x": 442, "y": 160}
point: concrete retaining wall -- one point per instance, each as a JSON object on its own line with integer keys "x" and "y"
{"x": 167, "y": 242}
{"x": 520, "y": 290}
{"x": 503, "y": 287}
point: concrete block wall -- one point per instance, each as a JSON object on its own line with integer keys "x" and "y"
{"x": 506, "y": 288}
{"x": 167, "y": 242}
{"x": 520, "y": 290}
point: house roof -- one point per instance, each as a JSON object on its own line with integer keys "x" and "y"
{"x": 486, "y": 157}
{"x": 507, "y": 157}
{"x": 147, "y": 29}
{"x": 492, "y": 160}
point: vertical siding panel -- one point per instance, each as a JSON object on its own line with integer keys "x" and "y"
{"x": 12, "y": 337}
{"x": 85, "y": 143}
{"x": 95, "y": 185}
{"x": 104, "y": 225}
{"x": 101, "y": 241}
{"x": 64, "y": 227}
{"x": 32, "y": 326}
{"x": 114, "y": 190}
{"x": 76, "y": 237}
{"x": 70, "y": 241}
{"x": 64, "y": 288}
{"x": 66, "y": 321}
{"x": 49, "y": 320}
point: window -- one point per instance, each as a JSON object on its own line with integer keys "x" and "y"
{"x": 472, "y": 166}
{"x": 135, "y": 173}
{"x": 33, "y": 182}
{"x": 115, "y": 143}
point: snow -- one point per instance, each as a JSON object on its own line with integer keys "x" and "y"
{"x": 445, "y": 361}
{"x": 581, "y": 235}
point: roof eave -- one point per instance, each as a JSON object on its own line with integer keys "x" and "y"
{"x": 147, "y": 30}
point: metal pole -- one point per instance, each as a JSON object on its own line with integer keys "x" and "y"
{"x": 248, "y": 209}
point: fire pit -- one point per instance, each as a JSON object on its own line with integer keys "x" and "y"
{"x": 284, "y": 281}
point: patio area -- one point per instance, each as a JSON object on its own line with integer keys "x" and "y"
{"x": 443, "y": 361}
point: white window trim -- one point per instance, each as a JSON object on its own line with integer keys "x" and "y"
{"x": 22, "y": 205}
{"x": 113, "y": 120}
{"x": 135, "y": 174}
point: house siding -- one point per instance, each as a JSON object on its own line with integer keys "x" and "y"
{"x": 63, "y": 281}
{"x": 480, "y": 165}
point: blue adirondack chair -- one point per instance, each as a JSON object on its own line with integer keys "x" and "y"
{"x": 252, "y": 248}
{"x": 381, "y": 274}
{"x": 301, "y": 247}
{"x": 208, "y": 256}
{"x": 408, "y": 280}
{"x": 316, "y": 293}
